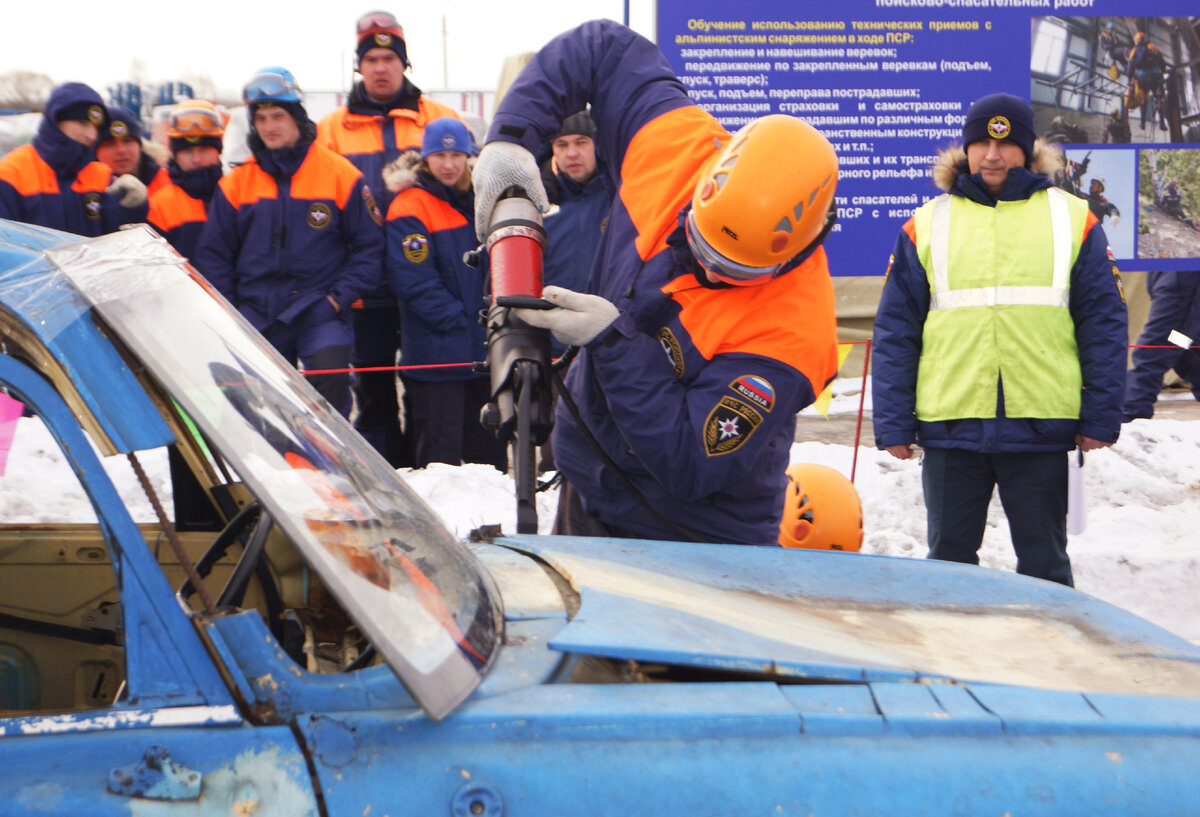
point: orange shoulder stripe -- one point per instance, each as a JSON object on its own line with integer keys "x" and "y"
{"x": 325, "y": 175}
{"x": 910, "y": 228}
{"x": 658, "y": 174}
{"x": 791, "y": 319}
{"x": 431, "y": 211}
{"x": 350, "y": 134}
{"x": 248, "y": 183}
{"x": 94, "y": 178}
{"x": 27, "y": 172}
{"x": 1090, "y": 222}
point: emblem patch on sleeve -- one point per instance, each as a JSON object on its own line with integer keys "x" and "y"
{"x": 92, "y": 207}
{"x": 416, "y": 248}
{"x": 1120, "y": 283}
{"x": 755, "y": 390}
{"x": 319, "y": 215}
{"x": 728, "y": 426}
{"x": 372, "y": 206}
{"x": 670, "y": 345}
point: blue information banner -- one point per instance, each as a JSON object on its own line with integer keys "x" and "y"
{"x": 1115, "y": 83}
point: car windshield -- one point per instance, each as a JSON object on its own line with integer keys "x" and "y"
{"x": 412, "y": 588}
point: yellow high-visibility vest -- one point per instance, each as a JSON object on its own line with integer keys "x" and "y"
{"x": 999, "y": 280}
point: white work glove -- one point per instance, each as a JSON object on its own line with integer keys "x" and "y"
{"x": 502, "y": 165}
{"x": 1115, "y": 218}
{"x": 576, "y": 321}
{"x": 130, "y": 188}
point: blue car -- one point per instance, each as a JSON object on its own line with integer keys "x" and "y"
{"x": 299, "y": 635}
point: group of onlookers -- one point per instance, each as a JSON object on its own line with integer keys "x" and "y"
{"x": 341, "y": 241}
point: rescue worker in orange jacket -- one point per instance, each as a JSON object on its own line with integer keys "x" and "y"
{"x": 711, "y": 319}
{"x": 385, "y": 116}
{"x": 294, "y": 236}
{"x": 54, "y": 182}
{"x": 179, "y": 209}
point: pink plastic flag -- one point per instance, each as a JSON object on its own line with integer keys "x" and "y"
{"x": 10, "y": 411}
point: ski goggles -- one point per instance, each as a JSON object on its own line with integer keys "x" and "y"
{"x": 197, "y": 121}
{"x": 376, "y": 21}
{"x": 271, "y": 87}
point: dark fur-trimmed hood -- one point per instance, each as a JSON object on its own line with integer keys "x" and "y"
{"x": 951, "y": 163}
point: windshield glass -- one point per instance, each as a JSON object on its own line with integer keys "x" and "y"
{"x": 416, "y": 592}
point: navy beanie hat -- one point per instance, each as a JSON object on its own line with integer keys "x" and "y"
{"x": 383, "y": 39}
{"x": 178, "y": 143}
{"x": 447, "y": 133}
{"x": 122, "y": 122}
{"x": 1003, "y": 117}
{"x": 580, "y": 124}
{"x": 76, "y": 102}
{"x": 295, "y": 109}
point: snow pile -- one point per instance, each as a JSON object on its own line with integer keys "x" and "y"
{"x": 1141, "y": 549}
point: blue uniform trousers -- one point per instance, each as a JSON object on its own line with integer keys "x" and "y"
{"x": 958, "y": 486}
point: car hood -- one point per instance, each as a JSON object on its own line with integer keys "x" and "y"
{"x": 826, "y": 616}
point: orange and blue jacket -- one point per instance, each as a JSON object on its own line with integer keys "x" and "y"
{"x": 694, "y": 390}
{"x": 277, "y": 242}
{"x": 371, "y": 136}
{"x": 429, "y": 228}
{"x": 179, "y": 208}
{"x": 53, "y": 182}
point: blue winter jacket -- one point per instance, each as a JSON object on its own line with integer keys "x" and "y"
{"x": 55, "y": 182}
{"x": 694, "y": 390}
{"x": 1097, "y": 307}
{"x": 429, "y": 227}
{"x": 287, "y": 228}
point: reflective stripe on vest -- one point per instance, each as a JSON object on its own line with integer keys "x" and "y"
{"x": 943, "y": 297}
{"x": 999, "y": 280}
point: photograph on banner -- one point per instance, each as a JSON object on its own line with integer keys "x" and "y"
{"x": 1115, "y": 79}
{"x": 1169, "y": 204}
{"x": 1107, "y": 178}
{"x": 889, "y": 83}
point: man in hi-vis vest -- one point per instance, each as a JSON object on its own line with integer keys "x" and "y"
{"x": 1000, "y": 341}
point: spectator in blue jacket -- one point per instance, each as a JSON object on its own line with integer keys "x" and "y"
{"x": 583, "y": 197}
{"x": 429, "y": 227}
{"x": 55, "y": 181}
{"x": 294, "y": 236}
{"x": 1174, "y": 306}
{"x": 999, "y": 341}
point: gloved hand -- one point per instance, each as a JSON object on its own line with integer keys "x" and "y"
{"x": 576, "y": 321}
{"x": 130, "y": 188}
{"x": 1115, "y": 218}
{"x": 502, "y": 165}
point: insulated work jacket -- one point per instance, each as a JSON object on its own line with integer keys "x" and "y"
{"x": 429, "y": 228}
{"x": 53, "y": 183}
{"x": 371, "y": 136}
{"x": 694, "y": 390}
{"x": 275, "y": 244}
{"x": 1002, "y": 325}
{"x": 179, "y": 209}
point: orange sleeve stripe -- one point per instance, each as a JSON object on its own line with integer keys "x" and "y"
{"x": 658, "y": 174}
{"x": 431, "y": 211}
{"x": 791, "y": 319}
{"x": 910, "y": 229}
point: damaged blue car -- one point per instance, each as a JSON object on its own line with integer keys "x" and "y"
{"x": 299, "y": 635}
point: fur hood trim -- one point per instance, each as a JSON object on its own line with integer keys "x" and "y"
{"x": 950, "y": 162}
{"x": 401, "y": 173}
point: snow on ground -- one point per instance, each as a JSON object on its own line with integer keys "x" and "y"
{"x": 1141, "y": 549}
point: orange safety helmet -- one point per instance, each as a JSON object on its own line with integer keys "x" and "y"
{"x": 821, "y": 510}
{"x": 764, "y": 200}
